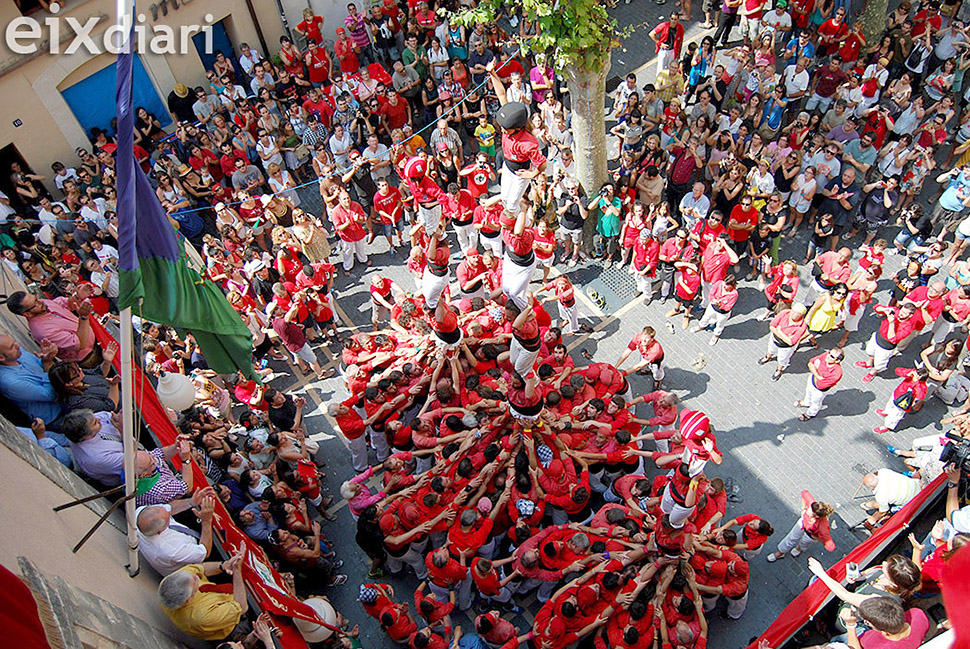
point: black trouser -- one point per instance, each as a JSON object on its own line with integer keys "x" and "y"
{"x": 676, "y": 193}
{"x": 727, "y": 23}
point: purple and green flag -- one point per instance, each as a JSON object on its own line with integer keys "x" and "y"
{"x": 155, "y": 277}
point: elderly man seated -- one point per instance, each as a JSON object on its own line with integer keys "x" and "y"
{"x": 167, "y": 545}
{"x": 95, "y": 444}
{"x": 155, "y": 483}
{"x": 890, "y": 491}
{"x": 189, "y": 599}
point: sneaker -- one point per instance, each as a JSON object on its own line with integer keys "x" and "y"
{"x": 713, "y": 340}
{"x": 606, "y": 264}
{"x": 795, "y": 552}
{"x": 868, "y": 377}
{"x": 881, "y": 413}
{"x": 338, "y": 580}
{"x": 863, "y": 364}
{"x": 375, "y": 574}
{"x": 895, "y": 451}
{"x": 571, "y": 263}
{"x": 879, "y": 430}
{"x": 909, "y": 474}
{"x": 697, "y": 329}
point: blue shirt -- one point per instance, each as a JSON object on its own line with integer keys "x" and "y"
{"x": 808, "y": 51}
{"x": 27, "y": 385}
{"x": 950, "y": 200}
{"x": 259, "y": 529}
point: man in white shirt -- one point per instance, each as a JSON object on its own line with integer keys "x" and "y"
{"x": 105, "y": 278}
{"x": 694, "y": 206}
{"x": 248, "y": 58}
{"x": 168, "y": 546}
{"x": 796, "y": 80}
{"x": 623, "y": 92}
{"x": 778, "y": 22}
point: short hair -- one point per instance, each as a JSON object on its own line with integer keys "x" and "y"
{"x": 15, "y": 302}
{"x": 76, "y": 424}
{"x": 885, "y": 614}
{"x": 175, "y": 590}
{"x": 149, "y": 522}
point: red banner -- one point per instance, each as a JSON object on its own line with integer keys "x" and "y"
{"x": 811, "y": 600}
{"x": 263, "y": 581}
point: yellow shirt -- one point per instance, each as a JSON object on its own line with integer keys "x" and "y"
{"x": 664, "y": 77}
{"x": 207, "y": 616}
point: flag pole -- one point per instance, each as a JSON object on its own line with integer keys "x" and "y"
{"x": 127, "y": 393}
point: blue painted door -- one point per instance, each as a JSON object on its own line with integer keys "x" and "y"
{"x": 93, "y": 100}
{"x": 220, "y": 42}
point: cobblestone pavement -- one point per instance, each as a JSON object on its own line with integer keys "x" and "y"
{"x": 768, "y": 452}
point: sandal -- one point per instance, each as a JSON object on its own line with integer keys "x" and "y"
{"x": 803, "y": 417}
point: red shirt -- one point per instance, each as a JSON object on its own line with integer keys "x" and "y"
{"x": 389, "y": 205}
{"x": 835, "y": 271}
{"x": 477, "y": 180}
{"x": 461, "y": 210}
{"x": 663, "y": 36}
{"x": 545, "y": 245}
{"x": 354, "y": 215}
{"x": 396, "y": 114}
{"x": 650, "y": 351}
{"x": 828, "y": 373}
{"x": 794, "y": 330}
{"x": 522, "y": 147}
{"x": 447, "y": 576}
{"x": 714, "y": 265}
{"x": 744, "y": 217}
{"x": 752, "y": 538}
{"x": 705, "y": 234}
{"x": 903, "y": 327}
{"x": 312, "y": 29}
{"x": 722, "y": 297}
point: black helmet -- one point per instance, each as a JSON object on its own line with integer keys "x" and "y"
{"x": 513, "y": 115}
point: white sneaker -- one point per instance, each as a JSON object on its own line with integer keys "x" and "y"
{"x": 713, "y": 340}
{"x": 796, "y": 552}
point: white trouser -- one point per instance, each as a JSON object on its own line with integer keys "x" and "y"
{"x": 513, "y": 189}
{"x": 706, "y": 292}
{"x": 431, "y": 287}
{"x": 814, "y": 290}
{"x": 664, "y": 57}
{"x": 657, "y": 370}
{"x": 504, "y": 595}
{"x": 644, "y": 285}
{"x": 414, "y": 557}
{"x": 813, "y": 399}
{"x": 569, "y": 314}
{"x": 735, "y": 607}
{"x": 751, "y": 554}
{"x": 423, "y": 464}
{"x": 358, "y": 453}
{"x": 796, "y": 538}
{"x": 430, "y": 218}
{"x": 942, "y": 328}
{"x": 350, "y": 248}
{"x": 467, "y": 237}
{"x": 784, "y": 354}
{"x": 515, "y": 281}
{"x": 880, "y": 356}
{"x": 494, "y": 244}
{"x": 546, "y": 588}
{"x": 852, "y": 320}
{"x": 463, "y": 589}
{"x": 894, "y": 414}
{"x": 718, "y": 319}
{"x": 378, "y": 441}
{"x": 678, "y": 514}
{"x": 521, "y": 358}
{"x": 559, "y": 516}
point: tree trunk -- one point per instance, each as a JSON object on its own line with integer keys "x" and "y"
{"x": 874, "y": 20}
{"x": 587, "y": 96}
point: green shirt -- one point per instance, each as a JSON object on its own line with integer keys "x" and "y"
{"x": 608, "y": 225}
{"x": 408, "y": 57}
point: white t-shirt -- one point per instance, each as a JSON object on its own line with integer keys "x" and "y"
{"x": 795, "y": 81}
{"x": 170, "y": 549}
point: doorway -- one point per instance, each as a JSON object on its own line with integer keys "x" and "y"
{"x": 220, "y": 43}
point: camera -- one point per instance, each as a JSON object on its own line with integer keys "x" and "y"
{"x": 957, "y": 452}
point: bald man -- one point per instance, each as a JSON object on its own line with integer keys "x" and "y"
{"x": 168, "y": 546}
